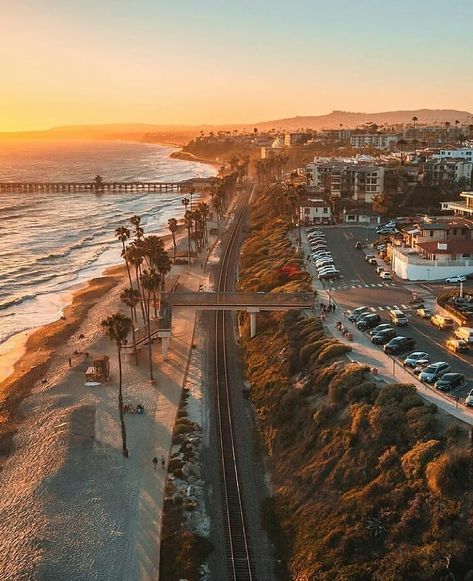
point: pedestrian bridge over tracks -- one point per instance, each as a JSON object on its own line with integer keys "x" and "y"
{"x": 252, "y": 303}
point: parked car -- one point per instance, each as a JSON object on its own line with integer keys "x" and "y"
{"x": 373, "y": 262}
{"x": 385, "y": 275}
{"x": 355, "y": 313}
{"x": 424, "y": 313}
{"x": 420, "y": 366}
{"x": 412, "y": 359}
{"x": 442, "y": 322}
{"x": 455, "y": 279}
{"x": 434, "y": 371}
{"x": 457, "y": 345}
{"x": 469, "y": 399}
{"x": 369, "y": 257}
{"x": 383, "y": 337}
{"x": 379, "y": 269}
{"x": 379, "y": 328}
{"x": 398, "y": 318}
{"x": 450, "y": 381}
{"x": 368, "y": 322}
{"x": 399, "y": 345}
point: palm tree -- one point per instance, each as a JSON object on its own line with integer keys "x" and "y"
{"x": 172, "y": 224}
{"x": 188, "y": 222}
{"x": 117, "y": 327}
{"x": 136, "y": 223}
{"x": 401, "y": 144}
{"x": 131, "y": 297}
{"x": 414, "y": 121}
{"x": 123, "y": 234}
{"x": 150, "y": 282}
{"x": 185, "y": 203}
{"x": 134, "y": 255}
{"x": 204, "y": 210}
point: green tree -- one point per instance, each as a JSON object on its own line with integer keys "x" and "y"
{"x": 117, "y": 328}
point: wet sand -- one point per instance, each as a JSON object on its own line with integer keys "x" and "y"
{"x": 39, "y": 348}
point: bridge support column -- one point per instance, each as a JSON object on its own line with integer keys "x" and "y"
{"x": 164, "y": 336}
{"x": 252, "y": 312}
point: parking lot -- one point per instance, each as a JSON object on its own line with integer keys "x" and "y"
{"x": 359, "y": 285}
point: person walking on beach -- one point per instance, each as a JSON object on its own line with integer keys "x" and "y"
{"x": 155, "y": 462}
{"x": 163, "y": 462}
{"x": 70, "y": 362}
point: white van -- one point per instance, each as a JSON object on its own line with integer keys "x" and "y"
{"x": 465, "y": 333}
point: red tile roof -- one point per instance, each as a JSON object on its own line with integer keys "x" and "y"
{"x": 456, "y": 246}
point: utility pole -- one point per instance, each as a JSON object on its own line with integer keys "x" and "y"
{"x": 461, "y": 289}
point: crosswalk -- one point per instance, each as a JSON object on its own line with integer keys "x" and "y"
{"x": 341, "y": 287}
{"x": 399, "y": 307}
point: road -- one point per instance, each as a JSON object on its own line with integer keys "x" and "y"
{"x": 361, "y": 286}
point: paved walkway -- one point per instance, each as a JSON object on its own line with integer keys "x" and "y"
{"x": 391, "y": 370}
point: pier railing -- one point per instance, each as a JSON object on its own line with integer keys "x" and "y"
{"x": 106, "y": 187}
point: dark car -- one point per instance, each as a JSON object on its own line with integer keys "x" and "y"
{"x": 379, "y": 328}
{"x": 383, "y": 337}
{"x": 450, "y": 381}
{"x": 368, "y": 322}
{"x": 399, "y": 345}
{"x": 434, "y": 371}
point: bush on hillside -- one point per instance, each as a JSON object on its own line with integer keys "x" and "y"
{"x": 450, "y": 473}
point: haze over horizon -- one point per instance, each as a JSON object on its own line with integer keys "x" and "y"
{"x": 193, "y": 64}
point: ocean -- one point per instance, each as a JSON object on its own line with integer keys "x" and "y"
{"x": 50, "y": 242}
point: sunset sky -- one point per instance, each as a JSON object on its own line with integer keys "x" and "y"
{"x": 221, "y": 61}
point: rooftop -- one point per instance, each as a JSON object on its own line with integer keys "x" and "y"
{"x": 448, "y": 247}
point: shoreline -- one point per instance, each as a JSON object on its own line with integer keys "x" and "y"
{"x": 32, "y": 365}
{"x": 39, "y": 343}
{"x": 187, "y": 156}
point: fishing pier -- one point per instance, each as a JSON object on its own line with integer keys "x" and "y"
{"x": 99, "y": 186}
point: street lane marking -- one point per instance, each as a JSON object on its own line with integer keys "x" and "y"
{"x": 373, "y": 309}
{"x": 396, "y": 307}
{"x": 404, "y": 307}
{"x": 380, "y": 309}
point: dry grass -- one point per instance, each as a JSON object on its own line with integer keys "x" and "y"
{"x": 366, "y": 485}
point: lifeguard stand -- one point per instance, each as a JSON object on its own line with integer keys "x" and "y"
{"x": 100, "y": 370}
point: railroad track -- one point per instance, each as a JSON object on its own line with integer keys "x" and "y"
{"x": 239, "y": 563}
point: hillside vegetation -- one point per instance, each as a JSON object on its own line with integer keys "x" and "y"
{"x": 370, "y": 482}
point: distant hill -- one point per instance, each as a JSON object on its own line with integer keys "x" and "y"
{"x": 180, "y": 134}
{"x": 351, "y": 120}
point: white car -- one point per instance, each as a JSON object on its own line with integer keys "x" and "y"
{"x": 469, "y": 399}
{"x": 454, "y": 279}
{"x": 385, "y": 275}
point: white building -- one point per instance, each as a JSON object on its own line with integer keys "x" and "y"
{"x": 376, "y": 140}
{"x": 460, "y": 153}
{"x": 461, "y": 208}
{"x": 336, "y": 178}
{"x": 315, "y": 211}
{"x": 369, "y": 182}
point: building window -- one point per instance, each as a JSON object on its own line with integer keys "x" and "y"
{"x": 325, "y": 210}
{"x": 431, "y": 233}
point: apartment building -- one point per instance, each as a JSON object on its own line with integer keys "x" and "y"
{"x": 461, "y": 208}
{"x": 315, "y": 211}
{"x": 458, "y": 153}
{"x": 446, "y": 171}
{"x": 375, "y": 140}
{"x": 339, "y": 179}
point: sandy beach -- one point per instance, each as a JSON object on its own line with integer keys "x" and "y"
{"x": 72, "y": 507}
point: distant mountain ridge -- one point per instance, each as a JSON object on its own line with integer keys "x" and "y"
{"x": 351, "y": 120}
{"x": 182, "y": 133}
